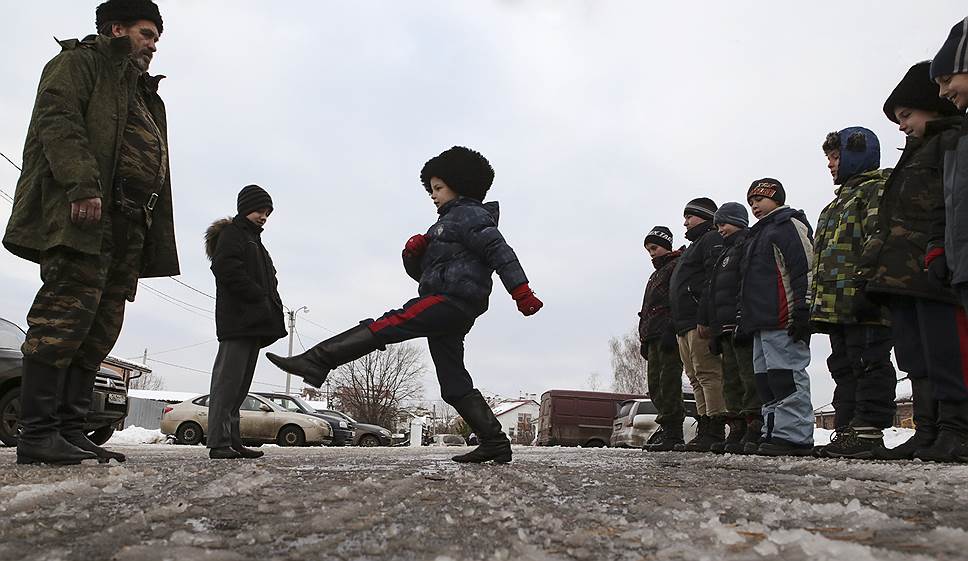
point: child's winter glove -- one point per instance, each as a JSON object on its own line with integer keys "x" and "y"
{"x": 528, "y": 303}
{"x": 800, "y": 330}
{"x": 415, "y": 246}
{"x": 937, "y": 266}
{"x": 862, "y": 307}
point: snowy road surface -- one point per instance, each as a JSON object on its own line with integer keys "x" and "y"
{"x": 171, "y": 502}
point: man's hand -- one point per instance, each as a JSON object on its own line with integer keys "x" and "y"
{"x": 86, "y": 212}
{"x": 528, "y": 303}
{"x": 936, "y": 265}
{"x": 704, "y": 331}
{"x": 415, "y": 246}
{"x": 800, "y": 330}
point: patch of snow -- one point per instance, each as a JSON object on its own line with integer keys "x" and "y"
{"x": 137, "y": 435}
{"x": 163, "y": 395}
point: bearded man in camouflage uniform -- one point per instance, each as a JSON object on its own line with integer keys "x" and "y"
{"x": 93, "y": 209}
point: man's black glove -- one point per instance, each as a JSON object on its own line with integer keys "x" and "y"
{"x": 800, "y": 330}
{"x": 669, "y": 341}
{"x": 936, "y": 265}
{"x": 862, "y": 307}
{"x": 742, "y": 338}
{"x": 716, "y": 344}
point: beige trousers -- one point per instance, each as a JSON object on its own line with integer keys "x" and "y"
{"x": 705, "y": 373}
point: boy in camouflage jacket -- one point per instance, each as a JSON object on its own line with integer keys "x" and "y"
{"x": 860, "y": 336}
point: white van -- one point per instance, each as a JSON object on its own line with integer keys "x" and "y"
{"x": 635, "y": 423}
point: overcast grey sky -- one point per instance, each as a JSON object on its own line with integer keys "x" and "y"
{"x": 601, "y": 120}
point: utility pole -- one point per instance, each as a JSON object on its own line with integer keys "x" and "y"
{"x": 292, "y": 333}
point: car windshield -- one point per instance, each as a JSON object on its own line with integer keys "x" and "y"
{"x": 11, "y": 336}
{"x": 624, "y": 410}
{"x": 290, "y": 403}
{"x": 338, "y": 414}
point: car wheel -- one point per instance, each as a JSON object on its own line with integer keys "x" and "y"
{"x": 101, "y": 436}
{"x": 291, "y": 435}
{"x": 369, "y": 440}
{"x": 595, "y": 443}
{"x": 9, "y": 416}
{"x": 189, "y": 433}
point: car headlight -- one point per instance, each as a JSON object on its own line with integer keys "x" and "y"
{"x": 321, "y": 424}
{"x": 342, "y": 424}
{"x": 384, "y": 432}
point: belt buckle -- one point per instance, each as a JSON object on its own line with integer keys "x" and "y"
{"x": 152, "y": 200}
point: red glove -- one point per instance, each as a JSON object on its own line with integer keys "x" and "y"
{"x": 528, "y": 303}
{"x": 936, "y": 265}
{"x": 415, "y": 246}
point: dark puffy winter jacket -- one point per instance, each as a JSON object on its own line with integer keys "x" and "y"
{"x": 464, "y": 249}
{"x": 910, "y": 211}
{"x": 655, "y": 319}
{"x": 955, "y": 180}
{"x": 247, "y": 302}
{"x": 691, "y": 276}
{"x": 776, "y": 270}
{"x": 722, "y": 298}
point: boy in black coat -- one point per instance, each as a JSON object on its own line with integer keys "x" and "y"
{"x": 722, "y": 300}
{"x": 660, "y": 349}
{"x": 248, "y": 315}
{"x": 687, "y": 297}
{"x": 453, "y": 262}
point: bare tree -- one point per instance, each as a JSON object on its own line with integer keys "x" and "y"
{"x": 594, "y": 382}
{"x": 372, "y": 388}
{"x": 147, "y": 381}
{"x": 628, "y": 366}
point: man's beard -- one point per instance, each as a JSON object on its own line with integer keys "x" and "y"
{"x": 141, "y": 61}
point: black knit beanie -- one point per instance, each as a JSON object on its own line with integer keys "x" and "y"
{"x": 253, "y": 198}
{"x": 917, "y": 90}
{"x": 702, "y": 207}
{"x": 769, "y": 188}
{"x": 467, "y": 172}
{"x": 732, "y": 213}
{"x": 953, "y": 56}
{"x": 128, "y": 10}
{"x": 661, "y": 236}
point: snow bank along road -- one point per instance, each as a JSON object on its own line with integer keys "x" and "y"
{"x": 171, "y": 502}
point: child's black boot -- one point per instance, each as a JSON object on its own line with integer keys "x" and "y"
{"x": 494, "y": 443}
{"x": 314, "y": 365}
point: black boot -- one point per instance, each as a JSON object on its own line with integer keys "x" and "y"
{"x": 670, "y": 434}
{"x": 223, "y": 453}
{"x": 494, "y": 443}
{"x": 754, "y": 435}
{"x": 314, "y": 365}
{"x": 952, "y": 442}
{"x": 39, "y": 440}
{"x": 733, "y": 442}
{"x": 702, "y": 422}
{"x": 74, "y": 406}
{"x": 925, "y": 423}
{"x": 858, "y": 442}
{"x": 715, "y": 433}
{"x": 247, "y": 453}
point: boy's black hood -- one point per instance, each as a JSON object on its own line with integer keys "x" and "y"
{"x": 783, "y": 214}
{"x": 492, "y": 207}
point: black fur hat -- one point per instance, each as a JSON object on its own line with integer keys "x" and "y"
{"x": 465, "y": 171}
{"x": 917, "y": 91}
{"x": 128, "y": 10}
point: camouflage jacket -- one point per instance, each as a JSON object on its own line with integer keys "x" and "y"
{"x": 71, "y": 153}
{"x": 910, "y": 212}
{"x": 843, "y": 230}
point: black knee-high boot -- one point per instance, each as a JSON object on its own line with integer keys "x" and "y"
{"x": 314, "y": 365}
{"x": 494, "y": 444}
{"x": 74, "y": 405}
{"x": 39, "y": 440}
{"x": 925, "y": 423}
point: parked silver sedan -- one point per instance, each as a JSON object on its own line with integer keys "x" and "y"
{"x": 261, "y": 421}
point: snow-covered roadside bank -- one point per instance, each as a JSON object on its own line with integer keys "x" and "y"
{"x": 137, "y": 435}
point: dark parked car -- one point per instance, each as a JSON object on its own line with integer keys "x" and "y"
{"x": 366, "y": 434}
{"x": 343, "y": 429}
{"x": 108, "y": 408}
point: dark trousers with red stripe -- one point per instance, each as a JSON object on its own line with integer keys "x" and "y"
{"x": 931, "y": 339}
{"x": 445, "y": 325}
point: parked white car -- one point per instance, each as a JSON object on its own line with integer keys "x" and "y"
{"x": 260, "y": 421}
{"x": 635, "y": 423}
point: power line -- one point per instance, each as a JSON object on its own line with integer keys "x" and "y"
{"x": 168, "y": 299}
{"x": 206, "y": 310}
{"x": 298, "y": 338}
{"x": 173, "y": 365}
{"x": 186, "y": 285}
{"x": 311, "y": 322}
{"x": 175, "y": 349}
{"x": 11, "y": 161}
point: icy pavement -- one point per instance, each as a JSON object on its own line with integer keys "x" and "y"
{"x": 171, "y": 502}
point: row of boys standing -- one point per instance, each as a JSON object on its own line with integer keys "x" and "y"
{"x": 737, "y": 307}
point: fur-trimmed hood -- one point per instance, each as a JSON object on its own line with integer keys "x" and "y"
{"x": 211, "y": 235}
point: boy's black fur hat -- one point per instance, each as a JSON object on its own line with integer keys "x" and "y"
{"x": 465, "y": 171}
{"x": 917, "y": 91}
{"x": 128, "y": 10}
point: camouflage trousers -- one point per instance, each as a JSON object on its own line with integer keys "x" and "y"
{"x": 77, "y": 315}
{"x": 739, "y": 381}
